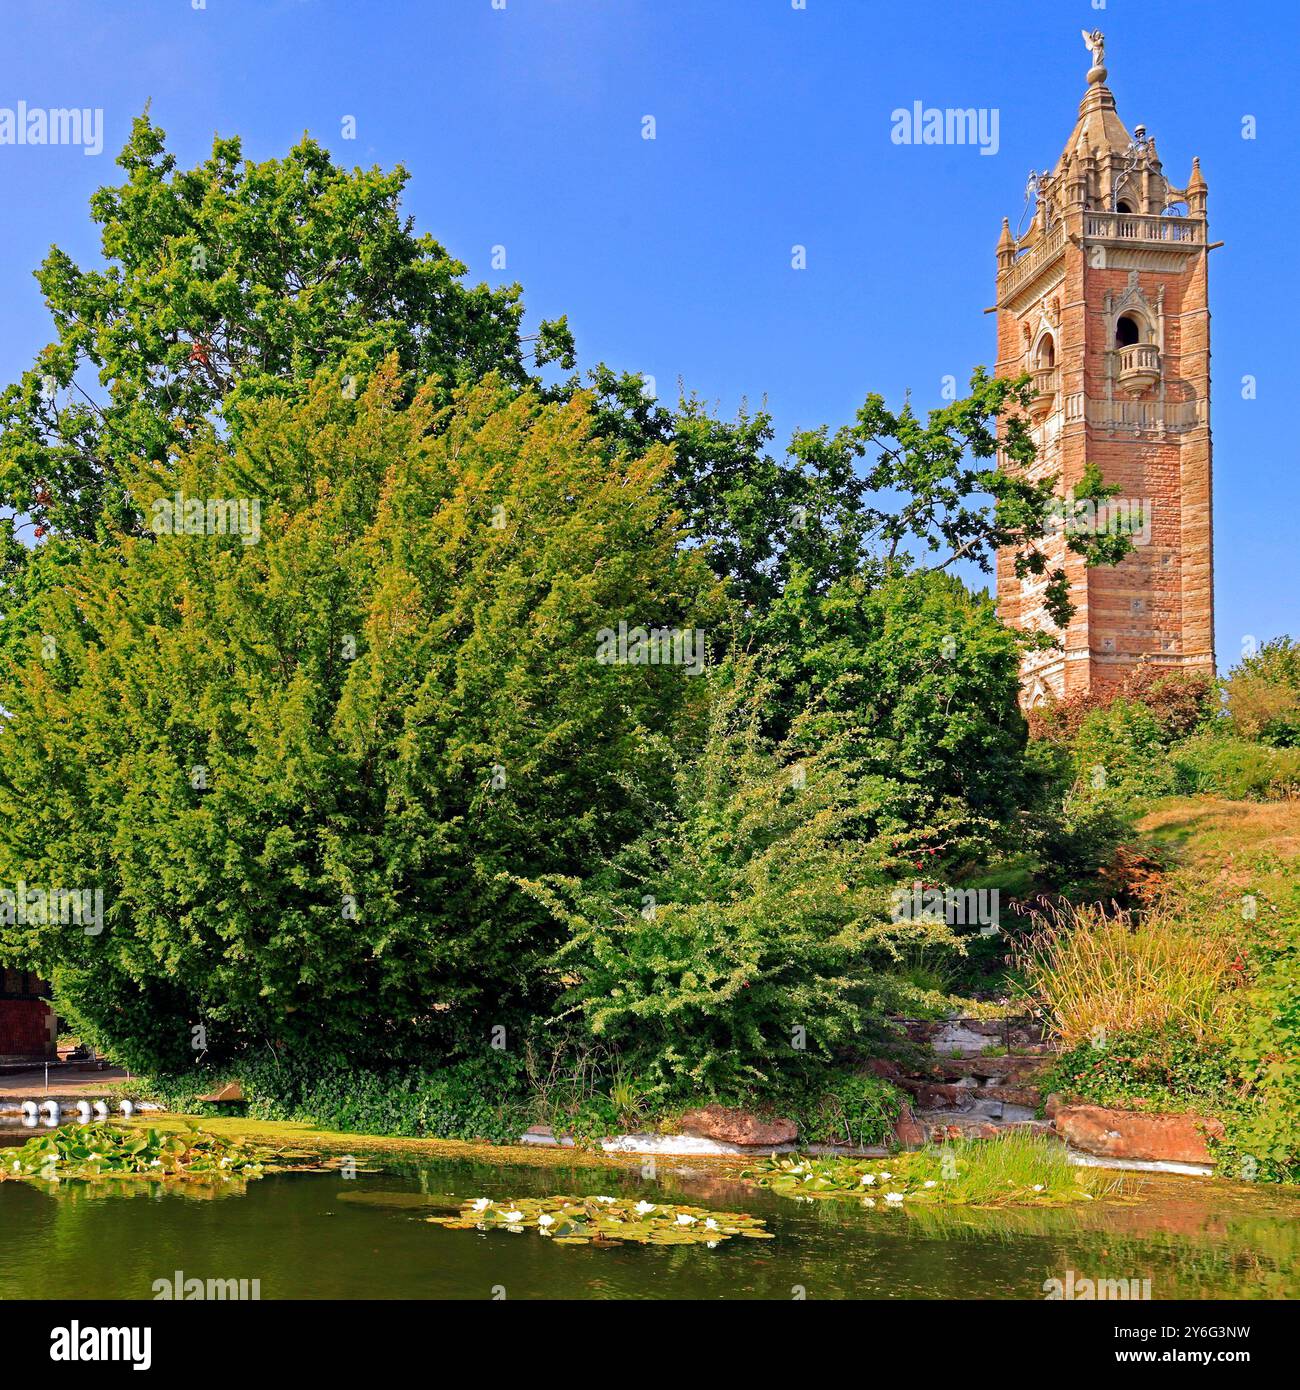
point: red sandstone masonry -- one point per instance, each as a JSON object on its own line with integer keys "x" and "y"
{"x": 1089, "y": 262}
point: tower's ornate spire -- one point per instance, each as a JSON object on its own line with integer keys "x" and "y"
{"x": 1006, "y": 245}
{"x": 1196, "y": 190}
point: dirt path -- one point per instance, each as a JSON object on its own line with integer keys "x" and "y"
{"x": 62, "y": 1085}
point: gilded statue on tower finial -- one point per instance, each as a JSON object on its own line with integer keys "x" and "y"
{"x": 1096, "y": 42}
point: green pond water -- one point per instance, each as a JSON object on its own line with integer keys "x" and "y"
{"x": 316, "y": 1235}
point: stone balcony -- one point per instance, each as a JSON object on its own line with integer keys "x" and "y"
{"x": 1045, "y": 387}
{"x": 1139, "y": 367}
{"x": 1132, "y": 226}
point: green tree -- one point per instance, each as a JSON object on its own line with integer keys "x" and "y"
{"x": 915, "y": 678}
{"x": 222, "y": 284}
{"x": 304, "y": 770}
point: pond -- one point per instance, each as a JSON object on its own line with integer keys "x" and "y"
{"x": 317, "y": 1235}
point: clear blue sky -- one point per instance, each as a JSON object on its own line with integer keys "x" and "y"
{"x": 522, "y": 127}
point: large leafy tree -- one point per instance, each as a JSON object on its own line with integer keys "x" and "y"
{"x": 220, "y": 285}
{"x": 916, "y": 680}
{"x": 305, "y": 771}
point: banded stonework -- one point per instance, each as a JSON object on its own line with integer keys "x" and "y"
{"x": 1104, "y": 300}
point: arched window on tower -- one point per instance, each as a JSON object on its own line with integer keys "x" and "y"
{"x": 1046, "y": 354}
{"x": 1123, "y": 206}
{"x": 1127, "y": 331}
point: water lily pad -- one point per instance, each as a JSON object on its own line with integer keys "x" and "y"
{"x": 604, "y": 1221}
{"x": 91, "y": 1152}
{"x": 962, "y": 1174}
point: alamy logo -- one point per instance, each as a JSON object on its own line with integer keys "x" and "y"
{"x": 1114, "y": 516}
{"x": 949, "y": 125}
{"x": 958, "y": 907}
{"x": 655, "y": 646}
{"x": 179, "y": 1288}
{"x": 1090, "y": 1290}
{"x": 23, "y": 905}
{"x": 179, "y": 515}
{"x": 37, "y": 125}
{"x": 77, "y": 1343}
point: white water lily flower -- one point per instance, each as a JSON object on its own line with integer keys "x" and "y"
{"x": 867, "y": 1180}
{"x": 885, "y": 1177}
{"x": 684, "y": 1220}
{"x": 644, "y": 1208}
{"x": 545, "y": 1220}
{"x": 893, "y": 1196}
{"x": 512, "y": 1216}
{"x": 710, "y": 1244}
{"x": 710, "y": 1224}
{"x": 868, "y": 1201}
{"x": 482, "y": 1203}
{"x": 930, "y": 1182}
{"x": 606, "y": 1199}
{"x": 515, "y": 1230}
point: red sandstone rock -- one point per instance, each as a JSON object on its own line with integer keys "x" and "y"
{"x": 907, "y": 1133}
{"x": 882, "y": 1067}
{"x": 1010, "y": 1095}
{"x": 737, "y": 1127}
{"x": 232, "y": 1090}
{"x": 1131, "y": 1134}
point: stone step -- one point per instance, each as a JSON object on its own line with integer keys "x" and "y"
{"x": 941, "y": 1125}
{"x": 972, "y": 1037}
{"x": 934, "y": 1095}
{"x": 1013, "y": 1069}
{"x": 988, "y": 1101}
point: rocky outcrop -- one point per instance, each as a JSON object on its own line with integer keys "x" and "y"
{"x": 1132, "y": 1134}
{"x": 737, "y": 1127}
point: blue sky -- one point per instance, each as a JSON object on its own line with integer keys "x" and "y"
{"x": 522, "y": 127}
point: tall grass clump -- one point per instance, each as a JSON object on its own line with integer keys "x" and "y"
{"x": 1096, "y": 974}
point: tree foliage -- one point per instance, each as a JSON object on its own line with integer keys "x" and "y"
{"x": 304, "y": 770}
{"x": 745, "y": 937}
{"x": 221, "y": 285}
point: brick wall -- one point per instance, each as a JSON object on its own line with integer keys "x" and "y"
{"x": 25, "y": 1029}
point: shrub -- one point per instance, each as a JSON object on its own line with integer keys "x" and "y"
{"x": 746, "y": 941}
{"x": 1166, "y": 1069}
{"x": 1263, "y": 694}
{"x": 1220, "y": 765}
{"x": 300, "y": 769}
{"x": 1075, "y": 839}
{"x": 1264, "y": 1141}
{"x": 1180, "y": 702}
{"x": 850, "y": 1108}
{"x": 1119, "y": 753}
{"x": 1097, "y": 977}
{"x": 483, "y": 1098}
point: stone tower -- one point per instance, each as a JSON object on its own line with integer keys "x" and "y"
{"x": 1104, "y": 302}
